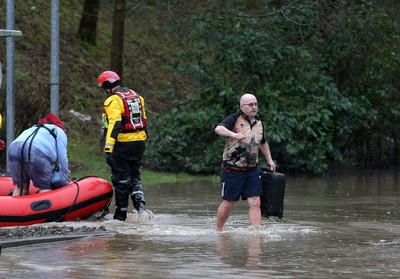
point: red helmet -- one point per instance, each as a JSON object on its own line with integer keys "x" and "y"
{"x": 109, "y": 76}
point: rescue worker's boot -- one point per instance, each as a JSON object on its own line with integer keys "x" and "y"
{"x": 138, "y": 196}
{"x": 121, "y": 200}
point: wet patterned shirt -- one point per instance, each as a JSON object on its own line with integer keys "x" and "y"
{"x": 244, "y": 154}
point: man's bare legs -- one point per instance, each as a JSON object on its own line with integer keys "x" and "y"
{"x": 223, "y": 213}
{"x": 45, "y": 190}
{"x": 254, "y": 212}
{"x": 24, "y": 190}
{"x": 21, "y": 190}
{"x": 226, "y": 207}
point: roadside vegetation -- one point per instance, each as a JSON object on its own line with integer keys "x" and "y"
{"x": 325, "y": 73}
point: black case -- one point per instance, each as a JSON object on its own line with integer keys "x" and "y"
{"x": 273, "y": 184}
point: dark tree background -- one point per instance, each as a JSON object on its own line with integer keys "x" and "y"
{"x": 326, "y": 75}
{"x": 88, "y": 24}
{"x": 117, "y": 44}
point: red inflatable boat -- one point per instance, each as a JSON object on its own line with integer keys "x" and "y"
{"x": 78, "y": 200}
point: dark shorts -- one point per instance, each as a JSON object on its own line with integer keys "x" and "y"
{"x": 246, "y": 184}
{"x": 38, "y": 169}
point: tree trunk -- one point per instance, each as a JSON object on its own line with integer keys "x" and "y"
{"x": 396, "y": 150}
{"x": 88, "y": 24}
{"x": 117, "y": 44}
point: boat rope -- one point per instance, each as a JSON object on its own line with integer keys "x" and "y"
{"x": 73, "y": 204}
{"x": 104, "y": 212}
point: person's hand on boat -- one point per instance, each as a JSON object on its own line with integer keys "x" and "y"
{"x": 2, "y": 145}
{"x": 109, "y": 159}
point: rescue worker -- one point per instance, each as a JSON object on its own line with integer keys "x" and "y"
{"x": 125, "y": 142}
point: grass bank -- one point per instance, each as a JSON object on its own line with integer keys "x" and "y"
{"x": 87, "y": 160}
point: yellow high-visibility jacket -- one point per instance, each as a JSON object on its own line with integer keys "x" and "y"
{"x": 114, "y": 108}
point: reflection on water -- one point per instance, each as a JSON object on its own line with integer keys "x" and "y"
{"x": 346, "y": 226}
{"x": 249, "y": 253}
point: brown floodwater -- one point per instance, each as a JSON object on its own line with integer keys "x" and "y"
{"x": 343, "y": 226}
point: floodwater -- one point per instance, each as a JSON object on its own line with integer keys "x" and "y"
{"x": 344, "y": 226}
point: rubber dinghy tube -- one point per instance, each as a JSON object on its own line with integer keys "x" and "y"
{"x": 60, "y": 219}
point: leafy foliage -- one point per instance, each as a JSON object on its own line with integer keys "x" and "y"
{"x": 325, "y": 74}
{"x": 316, "y": 68}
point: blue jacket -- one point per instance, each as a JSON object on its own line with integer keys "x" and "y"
{"x": 46, "y": 143}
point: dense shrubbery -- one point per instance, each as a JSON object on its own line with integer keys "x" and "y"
{"x": 326, "y": 75}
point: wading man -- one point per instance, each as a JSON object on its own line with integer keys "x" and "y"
{"x": 240, "y": 175}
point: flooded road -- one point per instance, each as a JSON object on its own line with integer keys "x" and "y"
{"x": 345, "y": 226}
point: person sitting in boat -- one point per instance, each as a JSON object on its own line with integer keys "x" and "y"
{"x": 35, "y": 153}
